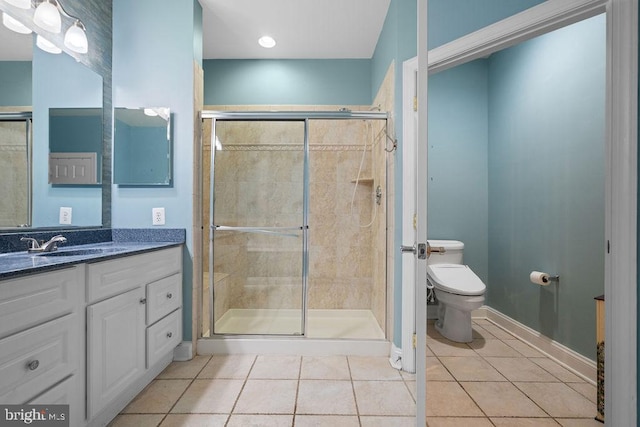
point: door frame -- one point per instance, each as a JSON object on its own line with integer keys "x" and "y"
{"x": 621, "y": 187}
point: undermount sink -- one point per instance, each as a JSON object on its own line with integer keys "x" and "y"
{"x": 78, "y": 252}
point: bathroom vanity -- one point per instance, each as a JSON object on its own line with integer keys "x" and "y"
{"x": 89, "y": 326}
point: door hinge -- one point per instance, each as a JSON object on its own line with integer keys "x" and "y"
{"x": 608, "y": 246}
{"x": 415, "y": 103}
{"x": 415, "y": 221}
{"x": 414, "y": 341}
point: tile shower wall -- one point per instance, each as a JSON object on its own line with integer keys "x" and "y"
{"x": 13, "y": 174}
{"x": 346, "y": 266}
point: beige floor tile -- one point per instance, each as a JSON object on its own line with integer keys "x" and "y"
{"x": 407, "y": 376}
{"x": 520, "y": 369}
{"x": 429, "y": 353}
{"x": 215, "y": 396}
{"x": 497, "y": 331}
{"x": 523, "y": 348}
{"x": 502, "y": 399}
{"x": 557, "y": 370}
{"x": 240, "y": 420}
{"x": 471, "y": 369}
{"x": 579, "y": 422}
{"x": 478, "y": 332}
{"x": 383, "y": 398}
{"x": 448, "y": 399}
{"x": 444, "y": 347}
{"x": 493, "y": 348}
{"x": 411, "y": 386}
{"x": 326, "y": 420}
{"x": 372, "y": 368}
{"x": 136, "y": 420}
{"x": 458, "y": 422}
{"x": 194, "y": 420}
{"x": 158, "y": 397}
{"x": 436, "y": 371}
{"x": 267, "y": 397}
{"x": 558, "y": 399}
{"x": 322, "y": 397}
{"x": 188, "y": 369}
{"x": 325, "y": 368}
{"x": 232, "y": 366}
{"x": 524, "y": 422}
{"x": 276, "y": 367}
{"x": 387, "y": 421}
{"x": 587, "y": 390}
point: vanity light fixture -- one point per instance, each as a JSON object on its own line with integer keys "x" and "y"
{"x": 14, "y": 25}
{"x": 46, "y": 45}
{"x": 267, "y": 42}
{"x": 48, "y": 17}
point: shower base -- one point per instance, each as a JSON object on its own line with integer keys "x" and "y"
{"x": 334, "y": 324}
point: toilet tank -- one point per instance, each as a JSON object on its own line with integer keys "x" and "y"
{"x": 452, "y": 252}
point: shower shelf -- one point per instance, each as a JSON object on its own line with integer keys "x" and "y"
{"x": 363, "y": 181}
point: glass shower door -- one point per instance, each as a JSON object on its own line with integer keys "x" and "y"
{"x": 258, "y": 233}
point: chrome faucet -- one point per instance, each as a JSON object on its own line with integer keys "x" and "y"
{"x": 49, "y": 246}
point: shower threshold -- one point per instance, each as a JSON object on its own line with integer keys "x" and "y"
{"x": 333, "y": 324}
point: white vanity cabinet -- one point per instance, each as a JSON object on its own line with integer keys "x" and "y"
{"x": 133, "y": 324}
{"x": 42, "y": 339}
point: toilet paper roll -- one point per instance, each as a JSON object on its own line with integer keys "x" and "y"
{"x": 539, "y": 278}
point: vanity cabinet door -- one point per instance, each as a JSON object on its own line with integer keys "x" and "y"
{"x": 115, "y": 347}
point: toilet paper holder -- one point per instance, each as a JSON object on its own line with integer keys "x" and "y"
{"x": 555, "y": 278}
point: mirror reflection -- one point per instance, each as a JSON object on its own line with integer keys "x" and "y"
{"x": 142, "y": 146}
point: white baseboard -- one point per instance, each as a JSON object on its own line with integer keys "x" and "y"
{"x": 575, "y": 362}
{"x": 183, "y": 352}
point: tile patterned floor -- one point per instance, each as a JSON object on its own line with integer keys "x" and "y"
{"x": 496, "y": 380}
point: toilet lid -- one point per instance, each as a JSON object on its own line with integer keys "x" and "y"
{"x": 456, "y": 279}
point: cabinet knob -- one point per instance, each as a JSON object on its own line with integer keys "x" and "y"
{"x": 33, "y": 365}
{"x": 169, "y": 295}
{"x": 169, "y": 334}
{"x": 143, "y": 300}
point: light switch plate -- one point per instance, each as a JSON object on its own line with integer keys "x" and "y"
{"x": 65, "y": 215}
{"x": 157, "y": 216}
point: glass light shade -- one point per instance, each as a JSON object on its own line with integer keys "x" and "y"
{"x": 76, "y": 39}
{"x": 266, "y": 42}
{"x": 48, "y": 17}
{"x": 14, "y": 25}
{"x": 22, "y": 4}
{"x": 46, "y": 45}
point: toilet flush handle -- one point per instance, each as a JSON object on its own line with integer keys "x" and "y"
{"x": 437, "y": 249}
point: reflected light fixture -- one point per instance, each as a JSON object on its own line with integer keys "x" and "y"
{"x": 14, "y": 25}
{"x": 46, "y": 45}
{"x": 76, "y": 39}
{"x": 48, "y": 17}
{"x": 267, "y": 42}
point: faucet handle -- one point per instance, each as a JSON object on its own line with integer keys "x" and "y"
{"x": 33, "y": 243}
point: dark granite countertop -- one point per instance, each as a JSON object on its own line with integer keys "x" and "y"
{"x": 123, "y": 243}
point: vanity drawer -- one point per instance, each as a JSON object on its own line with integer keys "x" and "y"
{"x": 110, "y": 278}
{"x": 163, "y": 297}
{"x": 163, "y": 337}
{"x": 31, "y": 300}
{"x": 34, "y": 360}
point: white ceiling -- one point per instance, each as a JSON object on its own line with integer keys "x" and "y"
{"x": 302, "y": 29}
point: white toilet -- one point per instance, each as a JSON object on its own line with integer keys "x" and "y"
{"x": 458, "y": 290}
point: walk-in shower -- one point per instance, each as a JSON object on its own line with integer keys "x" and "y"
{"x": 15, "y": 169}
{"x": 297, "y": 224}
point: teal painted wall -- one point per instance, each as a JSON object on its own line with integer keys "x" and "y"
{"x": 287, "y": 81}
{"x": 546, "y": 181}
{"x": 15, "y": 85}
{"x": 458, "y": 193}
{"x": 153, "y": 66}
{"x": 451, "y": 19}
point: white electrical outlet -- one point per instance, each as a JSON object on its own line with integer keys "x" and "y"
{"x": 65, "y": 215}
{"x": 158, "y": 216}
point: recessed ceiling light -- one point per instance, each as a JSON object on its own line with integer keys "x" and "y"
{"x": 266, "y": 42}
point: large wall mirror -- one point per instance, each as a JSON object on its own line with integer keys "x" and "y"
{"x": 36, "y": 81}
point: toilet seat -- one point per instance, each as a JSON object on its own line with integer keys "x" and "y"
{"x": 456, "y": 279}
